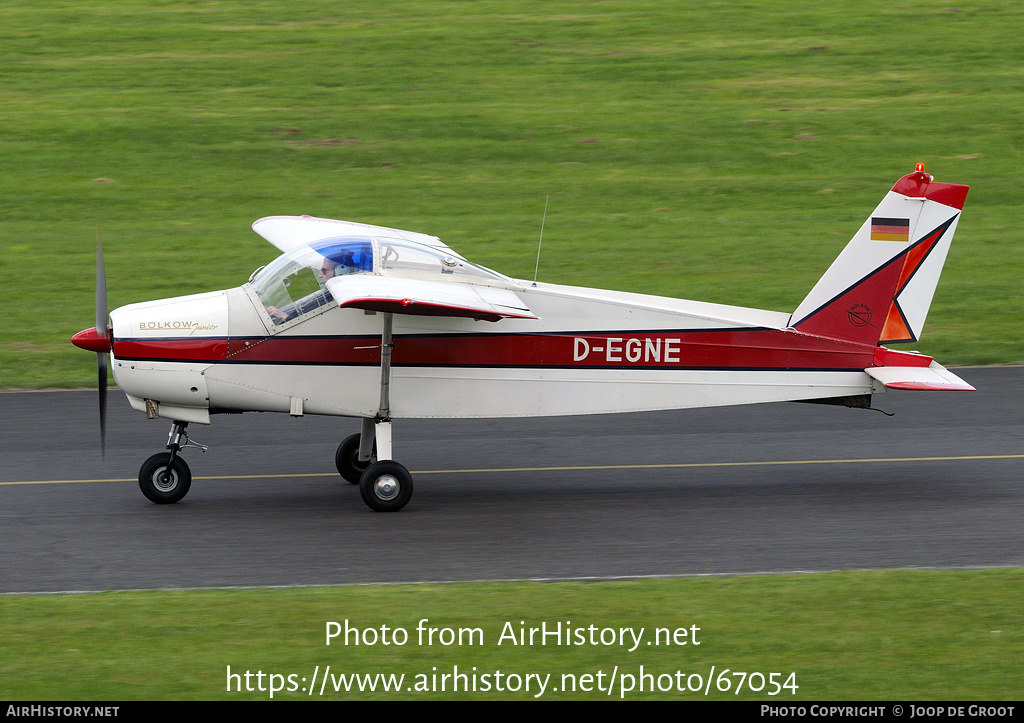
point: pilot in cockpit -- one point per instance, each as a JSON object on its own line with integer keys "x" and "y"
{"x": 328, "y": 269}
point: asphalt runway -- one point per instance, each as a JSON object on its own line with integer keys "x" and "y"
{"x": 771, "y": 488}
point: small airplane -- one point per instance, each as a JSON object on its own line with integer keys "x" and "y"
{"x": 379, "y": 324}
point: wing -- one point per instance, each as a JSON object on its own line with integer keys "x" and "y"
{"x": 287, "y": 232}
{"x": 427, "y": 298}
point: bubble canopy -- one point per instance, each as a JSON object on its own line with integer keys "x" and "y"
{"x": 293, "y": 284}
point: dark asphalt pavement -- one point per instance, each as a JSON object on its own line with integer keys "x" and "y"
{"x": 305, "y": 526}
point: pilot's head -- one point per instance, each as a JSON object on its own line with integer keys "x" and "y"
{"x": 327, "y": 270}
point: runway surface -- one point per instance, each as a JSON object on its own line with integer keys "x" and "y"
{"x": 769, "y": 488}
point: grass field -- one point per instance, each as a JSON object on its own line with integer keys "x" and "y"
{"x": 897, "y": 636}
{"x": 718, "y": 151}
{"x": 721, "y": 151}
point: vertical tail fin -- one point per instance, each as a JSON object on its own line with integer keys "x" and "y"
{"x": 880, "y": 287}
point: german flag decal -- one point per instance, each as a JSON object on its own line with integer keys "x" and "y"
{"x": 890, "y": 229}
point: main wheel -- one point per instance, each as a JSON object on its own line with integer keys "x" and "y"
{"x": 386, "y": 486}
{"x": 162, "y": 485}
{"x": 346, "y": 459}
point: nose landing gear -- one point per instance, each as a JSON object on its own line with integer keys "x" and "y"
{"x": 165, "y": 478}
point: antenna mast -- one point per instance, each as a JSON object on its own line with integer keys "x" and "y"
{"x": 545, "y": 218}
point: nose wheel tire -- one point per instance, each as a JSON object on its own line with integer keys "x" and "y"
{"x": 346, "y": 459}
{"x": 164, "y": 484}
{"x": 386, "y": 486}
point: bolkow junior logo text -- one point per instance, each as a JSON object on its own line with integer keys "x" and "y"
{"x": 190, "y": 326}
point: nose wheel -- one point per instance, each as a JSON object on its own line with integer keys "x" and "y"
{"x": 164, "y": 480}
{"x": 165, "y": 477}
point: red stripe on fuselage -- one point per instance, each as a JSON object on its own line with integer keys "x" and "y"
{"x": 192, "y": 348}
{"x": 723, "y": 349}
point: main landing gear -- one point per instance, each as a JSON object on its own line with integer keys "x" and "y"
{"x": 351, "y": 460}
{"x": 365, "y": 458}
{"x": 165, "y": 477}
{"x": 384, "y": 485}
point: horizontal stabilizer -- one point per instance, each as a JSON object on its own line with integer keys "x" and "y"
{"x": 934, "y": 377}
{"x": 427, "y": 298}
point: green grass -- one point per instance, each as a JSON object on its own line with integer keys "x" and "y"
{"x": 717, "y": 151}
{"x": 847, "y": 636}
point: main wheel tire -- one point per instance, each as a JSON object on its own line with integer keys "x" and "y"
{"x": 163, "y": 491}
{"x": 386, "y": 486}
{"x": 346, "y": 459}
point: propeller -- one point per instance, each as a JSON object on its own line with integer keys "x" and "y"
{"x": 98, "y": 339}
{"x": 103, "y": 331}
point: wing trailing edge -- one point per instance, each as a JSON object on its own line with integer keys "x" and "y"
{"x": 419, "y": 297}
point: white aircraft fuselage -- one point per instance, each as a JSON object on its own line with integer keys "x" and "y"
{"x": 587, "y": 352}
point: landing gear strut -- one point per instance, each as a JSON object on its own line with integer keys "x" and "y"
{"x": 385, "y": 485}
{"x": 165, "y": 477}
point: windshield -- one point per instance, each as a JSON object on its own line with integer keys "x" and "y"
{"x": 293, "y": 284}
